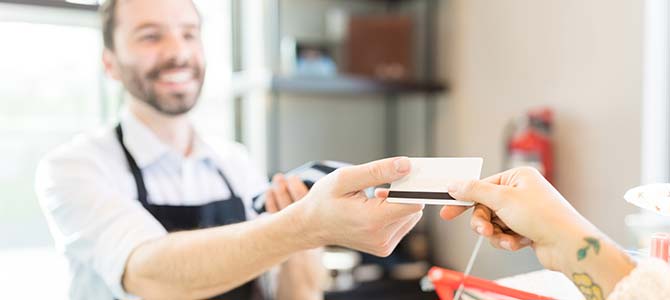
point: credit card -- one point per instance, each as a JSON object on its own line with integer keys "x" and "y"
{"x": 429, "y": 179}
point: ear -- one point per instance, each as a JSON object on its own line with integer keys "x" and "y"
{"x": 111, "y": 64}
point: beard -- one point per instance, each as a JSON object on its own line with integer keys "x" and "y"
{"x": 142, "y": 87}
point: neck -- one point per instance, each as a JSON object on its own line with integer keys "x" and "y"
{"x": 174, "y": 131}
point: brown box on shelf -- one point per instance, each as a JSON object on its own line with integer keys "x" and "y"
{"x": 381, "y": 46}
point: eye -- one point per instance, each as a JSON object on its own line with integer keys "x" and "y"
{"x": 150, "y": 37}
{"x": 189, "y": 36}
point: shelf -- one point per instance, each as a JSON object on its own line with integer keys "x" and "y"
{"x": 351, "y": 85}
{"x": 54, "y": 3}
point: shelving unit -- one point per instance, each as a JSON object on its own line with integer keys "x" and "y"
{"x": 393, "y": 93}
{"x": 346, "y": 86}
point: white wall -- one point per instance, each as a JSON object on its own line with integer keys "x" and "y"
{"x": 346, "y": 128}
{"x": 584, "y": 59}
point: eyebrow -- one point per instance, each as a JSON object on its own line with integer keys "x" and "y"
{"x": 156, "y": 25}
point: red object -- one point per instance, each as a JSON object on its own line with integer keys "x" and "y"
{"x": 660, "y": 246}
{"x": 529, "y": 143}
{"x": 446, "y": 282}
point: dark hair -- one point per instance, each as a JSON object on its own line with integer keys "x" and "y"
{"x": 108, "y": 16}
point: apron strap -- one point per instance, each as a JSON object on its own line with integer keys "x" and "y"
{"x": 142, "y": 194}
{"x": 134, "y": 168}
{"x": 230, "y": 186}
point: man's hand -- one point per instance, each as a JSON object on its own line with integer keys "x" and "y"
{"x": 334, "y": 212}
{"x": 283, "y": 192}
{"x": 338, "y": 211}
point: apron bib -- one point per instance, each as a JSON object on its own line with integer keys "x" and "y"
{"x": 188, "y": 217}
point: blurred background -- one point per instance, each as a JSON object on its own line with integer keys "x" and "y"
{"x": 578, "y": 89}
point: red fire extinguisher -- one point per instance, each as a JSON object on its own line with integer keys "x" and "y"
{"x": 529, "y": 142}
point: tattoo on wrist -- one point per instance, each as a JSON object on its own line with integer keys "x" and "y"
{"x": 591, "y": 243}
{"x": 587, "y": 287}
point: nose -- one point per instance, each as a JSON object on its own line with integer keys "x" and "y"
{"x": 176, "y": 49}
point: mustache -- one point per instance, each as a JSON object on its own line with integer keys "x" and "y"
{"x": 154, "y": 73}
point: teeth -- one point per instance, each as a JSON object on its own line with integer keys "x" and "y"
{"x": 177, "y": 77}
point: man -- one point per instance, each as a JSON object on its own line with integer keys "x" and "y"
{"x": 149, "y": 209}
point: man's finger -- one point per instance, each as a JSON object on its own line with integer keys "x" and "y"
{"x": 397, "y": 211}
{"x": 479, "y": 191}
{"x": 405, "y": 228}
{"x": 271, "y": 202}
{"x": 281, "y": 191}
{"x": 360, "y": 177}
{"x": 382, "y": 193}
{"x": 297, "y": 188}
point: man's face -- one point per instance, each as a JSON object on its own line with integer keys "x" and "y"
{"x": 158, "y": 53}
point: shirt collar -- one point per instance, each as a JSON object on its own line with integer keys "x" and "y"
{"x": 146, "y": 148}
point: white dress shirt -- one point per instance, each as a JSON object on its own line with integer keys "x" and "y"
{"x": 90, "y": 200}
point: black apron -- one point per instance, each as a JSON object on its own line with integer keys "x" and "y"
{"x": 188, "y": 217}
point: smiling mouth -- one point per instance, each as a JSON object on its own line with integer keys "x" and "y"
{"x": 176, "y": 77}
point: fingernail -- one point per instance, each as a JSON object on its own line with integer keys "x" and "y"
{"x": 480, "y": 230}
{"x": 526, "y": 241}
{"x": 506, "y": 245}
{"x": 402, "y": 165}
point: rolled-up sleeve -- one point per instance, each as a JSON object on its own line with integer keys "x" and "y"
{"x": 90, "y": 219}
{"x": 650, "y": 280}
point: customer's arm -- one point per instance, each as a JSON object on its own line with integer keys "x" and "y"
{"x": 519, "y": 208}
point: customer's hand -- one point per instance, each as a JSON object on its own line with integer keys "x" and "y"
{"x": 339, "y": 212}
{"x": 519, "y": 207}
{"x": 283, "y": 192}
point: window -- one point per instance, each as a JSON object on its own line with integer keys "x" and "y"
{"x": 48, "y": 96}
{"x": 656, "y": 98}
{"x": 50, "y": 91}
{"x": 655, "y": 116}
{"x": 53, "y": 86}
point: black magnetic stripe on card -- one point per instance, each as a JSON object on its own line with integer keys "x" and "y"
{"x": 421, "y": 195}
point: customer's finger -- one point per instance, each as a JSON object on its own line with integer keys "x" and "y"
{"x": 478, "y": 191}
{"x": 481, "y": 220}
{"x": 449, "y": 212}
{"x": 511, "y": 242}
{"x": 497, "y": 221}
